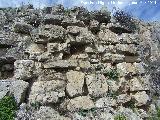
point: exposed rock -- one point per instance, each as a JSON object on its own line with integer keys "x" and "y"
{"x": 106, "y": 36}
{"x": 47, "y": 91}
{"x": 23, "y": 69}
{"x": 48, "y": 113}
{"x": 53, "y": 19}
{"x": 141, "y": 98}
{"x": 22, "y": 28}
{"x": 61, "y": 64}
{"x": 105, "y": 102}
{"x": 73, "y": 30}
{"x": 113, "y": 57}
{"x": 16, "y": 87}
{"x": 94, "y": 26}
{"x": 97, "y": 85}
{"x": 128, "y": 113}
{"x": 75, "y": 83}
{"x": 82, "y": 102}
{"x": 123, "y": 98}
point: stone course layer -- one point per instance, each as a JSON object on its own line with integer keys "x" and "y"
{"x": 74, "y": 65}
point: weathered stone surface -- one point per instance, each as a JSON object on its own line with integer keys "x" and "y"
{"x": 81, "y": 56}
{"x": 113, "y": 57}
{"x": 22, "y": 28}
{"x": 47, "y": 91}
{"x": 94, "y": 26}
{"x": 126, "y": 68}
{"x": 123, "y": 98}
{"x": 128, "y": 113}
{"x": 23, "y": 69}
{"x": 105, "y": 102}
{"x": 125, "y": 49}
{"x": 85, "y": 36}
{"x": 82, "y": 102}
{"x": 69, "y": 21}
{"x": 16, "y": 87}
{"x": 61, "y": 64}
{"x": 56, "y": 47}
{"x": 141, "y": 98}
{"x": 84, "y": 64}
{"x": 57, "y": 33}
{"x": 75, "y": 83}
{"x": 53, "y": 19}
{"x": 48, "y": 113}
{"x": 73, "y": 30}
{"x": 106, "y": 36}
{"x": 139, "y": 84}
{"x": 97, "y": 85}
{"x": 50, "y": 74}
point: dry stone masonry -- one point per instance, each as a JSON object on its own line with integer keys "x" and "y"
{"x": 75, "y": 64}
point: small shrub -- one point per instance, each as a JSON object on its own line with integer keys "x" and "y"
{"x": 8, "y": 107}
{"x": 112, "y": 74}
{"x": 120, "y": 117}
{"x": 113, "y": 94}
{"x": 125, "y": 19}
{"x": 36, "y": 105}
{"x": 155, "y": 116}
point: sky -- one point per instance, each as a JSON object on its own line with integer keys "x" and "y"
{"x": 147, "y": 10}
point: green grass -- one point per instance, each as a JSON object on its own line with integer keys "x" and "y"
{"x": 112, "y": 74}
{"x": 36, "y": 105}
{"x": 155, "y": 116}
{"x": 8, "y": 107}
{"x": 120, "y": 117}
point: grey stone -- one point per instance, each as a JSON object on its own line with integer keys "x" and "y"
{"x": 16, "y": 87}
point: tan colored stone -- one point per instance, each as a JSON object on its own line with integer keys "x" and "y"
{"x": 141, "y": 98}
{"x": 61, "y": 64}
{"x": 113, "y": 57}
{"x": 97, "y": 85}
{"x": 82, "y": 102}
{"x": 123, "y": 98}
{"x": 47, "y": 91}
{"x": 75, "y": 83}
{"x": 106, "y": 102}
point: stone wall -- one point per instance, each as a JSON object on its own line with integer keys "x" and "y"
{"x": 75, "y": 64}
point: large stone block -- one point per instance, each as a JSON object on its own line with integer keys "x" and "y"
{"x": 61, "y": 64}
{"x": 16, "y": 87}
{"x": 97, "y": 85}
{"x": 82, "y": 102}
{"x": 108, "y": 57}
{"x": 22, "y": 28}
{"x": 47, "y": 91}
{"x": 75, "y": 83}
{"x": 23, "y": 69}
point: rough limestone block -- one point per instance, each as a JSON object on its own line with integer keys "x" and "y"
{"x": 75, "y": 83}
{"x": 16, "y": 87}
{"x": 47, "y": 91}
{"x": 48, "y": 113}
{"x": 107, "y": 36}
{"x": 123, "y": 98}
{"x": 108, "y": 57}
{"x": 97, "y": 85}
{"x": 105, "y": 102}
{"x": 56, "y": 47}
{"x": 61, "y": 64}
{"x": 22, "y": 28}
{"x": 23, "y": 69}
{"x": 141, "y": 98}
{"x": 126, "y": 68}
{"x": 82, "y": 102}
{"x": 130, "y": 49}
